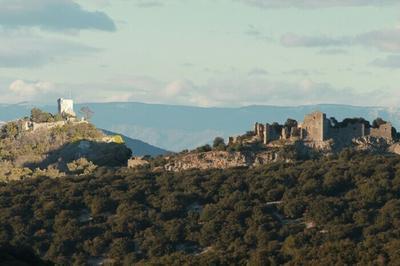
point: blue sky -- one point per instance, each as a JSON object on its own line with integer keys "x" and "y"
{"x": 203, "y": 53}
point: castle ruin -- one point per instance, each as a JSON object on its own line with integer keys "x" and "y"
{"x": 316, "y": 129}
{"x": 65, "y": 109}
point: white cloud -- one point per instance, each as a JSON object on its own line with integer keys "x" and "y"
{"x": 238, "y": 90}
{"x": 176, "y": 87}
{"x": 29, "y": 89}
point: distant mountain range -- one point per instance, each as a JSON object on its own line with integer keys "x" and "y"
{"x": 182, "y": 127}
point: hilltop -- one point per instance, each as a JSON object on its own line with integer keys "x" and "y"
{"x": 263, "y": 198}
{"x": 317, "y": 136}
{"x": 51, "y": 145}
{"x": 175, "y": 128}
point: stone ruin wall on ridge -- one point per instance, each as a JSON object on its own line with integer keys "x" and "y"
{"x": 316, "y": 128}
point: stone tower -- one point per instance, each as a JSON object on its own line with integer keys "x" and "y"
{"x": 316, "y": 126}
{"x": 66, "y": 107}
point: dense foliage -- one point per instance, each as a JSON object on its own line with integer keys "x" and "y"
{"x": 39, "y": 116}
{"x": 20, "y": 256}
{"x": 340, "y": 210}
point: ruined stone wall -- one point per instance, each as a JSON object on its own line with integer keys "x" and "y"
{"x": 266, "y": 133}
{"x": 285, "y": 133}
{"x": 384, "y": 131}
{"x": 29, "y": 125}
{"x": 270, "y": 134}
{"x": 348, "y": 133}
{"x": 315, "y": 127}
{"x": 295, "y": 133}
{"x": 256, "y": 129}
{"x": 260, "y": 131}
{"x": 36, "y": 126}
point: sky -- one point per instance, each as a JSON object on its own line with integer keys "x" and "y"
{"x": 201, "y": 52}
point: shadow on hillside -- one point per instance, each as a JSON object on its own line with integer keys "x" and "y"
{"x": 100, "y": 153}
{"x": 10, "y": 255}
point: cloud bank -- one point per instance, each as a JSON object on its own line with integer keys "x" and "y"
{"x": 55, "y": 15}
{"x": 29, "y": 89}
{"x": 229, "y": 91}
{"x": 16, "y": 53}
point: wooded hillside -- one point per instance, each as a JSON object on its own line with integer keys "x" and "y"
{"x": 340, "y": 210}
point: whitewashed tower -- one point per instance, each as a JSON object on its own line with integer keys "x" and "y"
{"x": 66, "y": 107}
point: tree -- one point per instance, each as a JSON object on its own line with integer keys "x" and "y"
{"x": 204, "y": 148}
{"x": 291, "y": 123}
{"x": 219, "y": 143}
{"x": 9, "y": 130}
{"x": 333, "y": 121}
{"x": 277, "y": 127}
{"x": 86, "y": 112}
{"x": 81, "y": 166}
{"x": 39, "y": 116}
{"x": 378, "y": 122}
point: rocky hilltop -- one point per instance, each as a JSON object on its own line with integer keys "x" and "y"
{"x": 316, "y": 136}
{"x": 223, "y": 159}
{"x": 48, "y": 145}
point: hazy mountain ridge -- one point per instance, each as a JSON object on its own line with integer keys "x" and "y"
{"x": 175, "y": 128}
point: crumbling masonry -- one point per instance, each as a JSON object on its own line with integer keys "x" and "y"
{"x": 316, "y": 128}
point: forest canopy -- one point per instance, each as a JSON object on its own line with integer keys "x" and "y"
{"x": 341, "y": 210}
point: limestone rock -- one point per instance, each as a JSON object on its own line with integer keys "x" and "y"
{"x": 135, "y": 162}
{"x": 371, "y": 144}
{"x": 206, "y": 160}
{"x": 395, "y": 148}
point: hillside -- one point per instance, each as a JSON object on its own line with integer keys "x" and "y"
{"x": 338, "y": 210}
{"x": 56, "y": 148}
{"x": 138, "y": 147}
{"x": 175, "y": 128}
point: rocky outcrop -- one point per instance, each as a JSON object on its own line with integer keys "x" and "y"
{"x": 288, "y": 152}
{"x": 394, "y": 148}
{"x": 206, "y": 160}
{"x": 220, "y": 160}
{"x": 372, "y": 144}
{"x": 136, "y": 162}
{"x": 264, "y": 158}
